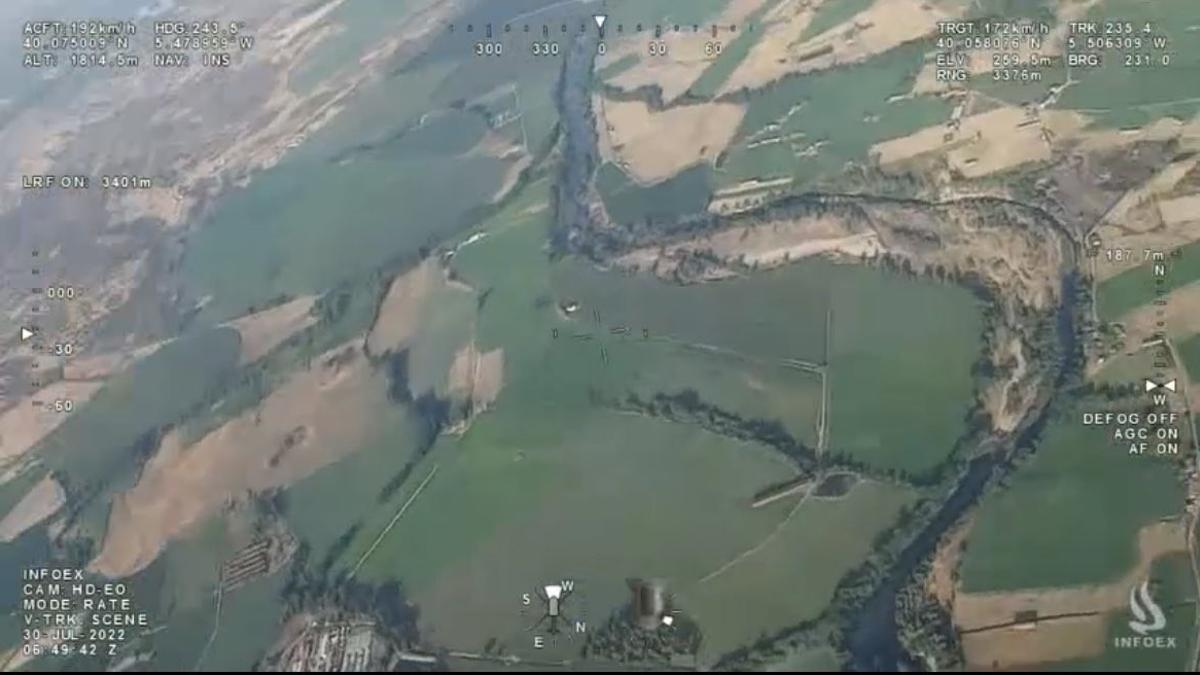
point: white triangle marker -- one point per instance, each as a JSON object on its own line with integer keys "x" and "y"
{"x": 600, "y": 19}
{"x": 25, "y": 333}
{"x": 1170, "y": 386}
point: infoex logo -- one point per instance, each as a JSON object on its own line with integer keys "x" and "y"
{"x": 1148, "y": 619}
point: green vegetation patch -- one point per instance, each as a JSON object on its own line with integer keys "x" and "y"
{"x": 685, "y": 193}
{"x": 820, "y": 542}
{"x": 1119, "y": 295}
{"x": 1070, "y": 516}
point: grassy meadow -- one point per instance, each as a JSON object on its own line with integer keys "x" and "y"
{"x": 1079, "y": 503}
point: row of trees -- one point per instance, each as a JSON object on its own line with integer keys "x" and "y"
{"x": 621, "y": 640}
{"x": 687, "y": 406}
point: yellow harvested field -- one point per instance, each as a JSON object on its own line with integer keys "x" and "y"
{"x": 986, "y": 143}
{"x": 1131, "y": 212}
{"x": 654, "y": 145}
{"x": 263, "y": 331}
{"x": 1062, "y": 639}
{"x": 1150, "y": 217}
{"x": 685, "y": 60}
{"x": 1184, "y": 209}
{"x": 982, "y": 610}
{"x": 768, "y": 244}
{"x": 316, "y": 417}
{"x": 23, "y": 425}
{"x": 401, "y": 308}
{"x": 41, "y": 502}
{"x": 882, "y": 26}
{"x": 477, "y": 376}
{"x": 1161, "y": 129}
{"x": 1180, "y": 316}
{"x": 1161, "y": 239}
{"x": 1015, "y": 259}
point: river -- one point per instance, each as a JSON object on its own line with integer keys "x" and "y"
{"x": 875, "y": 642}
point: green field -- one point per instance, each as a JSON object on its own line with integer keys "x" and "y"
{"x": 29, "y": 550}
{"x": 1078, "y": 503}
{"x": 531, "y": 78}
{"x": 899, "y": 387}
{"x": 1125, "y": 369}
{"x": 774, "y": 315}
{"x": 1189, "y": 351}
{"x": 627, "y": 202}
{"x": 1119, "y": 295}
{"x": 666, "y": 13}
{"x": 812, "y": 660}
{"x": 177, "y": 590}
{"x": 821, "y": 542}
{"x": 1121, "y": 95}
{"x": 296, "y": 229}
{"x": 749, "y": 388}
{"x": 831, "y": 13}
{"x": 617, "y": 67}
{"x": 732, "y": 54}
{"x": 619, "y": 493}
{"x": 885, "y": 408}
{"x": 250, "y": 621}
{"x": 320, "y": 509}
{"x": 845, "y": 110}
